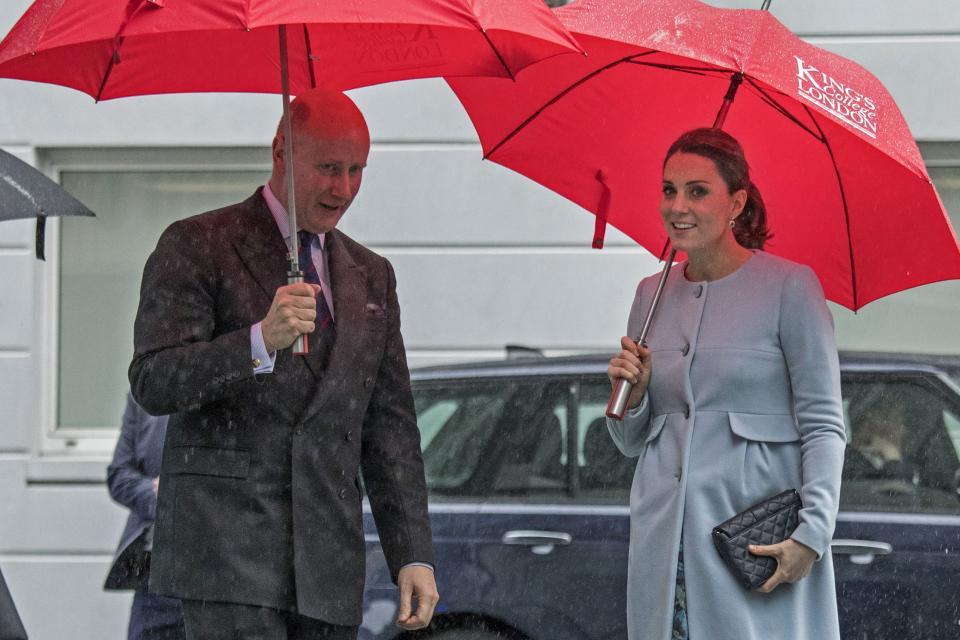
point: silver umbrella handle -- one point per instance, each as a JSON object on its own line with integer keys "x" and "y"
{"x": 621, "y": 392}
{"x": 294, "y": 275}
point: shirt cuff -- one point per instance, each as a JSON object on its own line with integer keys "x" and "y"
{"x": 261, "y": 360}
{"x": 417, "y": 564}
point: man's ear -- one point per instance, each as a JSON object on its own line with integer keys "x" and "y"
{"x": 277, "y": 151}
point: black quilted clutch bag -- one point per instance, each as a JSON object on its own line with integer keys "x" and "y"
{"x": 767, "y": 522}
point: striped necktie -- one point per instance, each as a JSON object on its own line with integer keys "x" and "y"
{"x": 310, "y": 275}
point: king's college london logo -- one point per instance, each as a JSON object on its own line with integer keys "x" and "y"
{"x": 836, "y": 98}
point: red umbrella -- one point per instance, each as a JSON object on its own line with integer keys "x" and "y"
{"x": 845, "y": 186}
{"x": 116, "y": 48}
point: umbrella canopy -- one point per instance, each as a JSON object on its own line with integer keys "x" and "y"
{"x": 845, "y": 185}
{"x": 115, "y": 48}
{"x": 28, "y": 193}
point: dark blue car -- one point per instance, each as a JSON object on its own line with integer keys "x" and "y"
{"x": 529, "y": 502}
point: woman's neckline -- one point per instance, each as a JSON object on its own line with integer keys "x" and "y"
{"x": 683, "y": 271}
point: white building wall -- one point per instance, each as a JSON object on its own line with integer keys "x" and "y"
{"x": 483, "y": 258}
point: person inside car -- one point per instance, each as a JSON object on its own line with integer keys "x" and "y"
{"x": 877, "y": 448}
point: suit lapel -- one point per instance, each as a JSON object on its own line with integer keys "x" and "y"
{"x": 348, "y": 280}
{"x": 261, "y": 247}
{"x": 263, "y": 252}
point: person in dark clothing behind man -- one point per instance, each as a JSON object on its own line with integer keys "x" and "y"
{"x": 133, "y": 477}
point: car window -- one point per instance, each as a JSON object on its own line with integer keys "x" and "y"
{"x": 532, "y": 454}
{"x": 952, "y": 421}
{"x": 902, "y": 452}
{"x": 487, "y": 439}
{"x": 457, "y": 423}
{"x": 604, "y": 474}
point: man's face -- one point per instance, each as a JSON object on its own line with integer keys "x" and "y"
{"x": 327, "y": 175}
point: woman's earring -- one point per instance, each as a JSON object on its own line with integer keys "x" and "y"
{"x": 732, "y": 221}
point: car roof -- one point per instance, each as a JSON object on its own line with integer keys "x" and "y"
{"x": 528, "y": 364}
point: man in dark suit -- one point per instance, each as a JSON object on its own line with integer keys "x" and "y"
{"x": 259, "y": 526}
{"x": 132, "y": 478}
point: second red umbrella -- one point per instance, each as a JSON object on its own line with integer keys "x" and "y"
{"x": 845, "y": 185}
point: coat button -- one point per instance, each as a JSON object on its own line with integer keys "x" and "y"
{"x": 342, "y": 472}
{"x": 348, "y": 436}
{"x": 342, "y": 493}
{"x": 698, "y": 291}
{"x": 686, "y": 412}
{"x": 298, "y": 429}
{"x": 367, "y": 382}
{"x": 686, "y": 349}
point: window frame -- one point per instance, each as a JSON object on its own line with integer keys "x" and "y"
{"x": 94, "y": 444}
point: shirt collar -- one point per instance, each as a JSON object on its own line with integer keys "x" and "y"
{"x": 279, "y": 213}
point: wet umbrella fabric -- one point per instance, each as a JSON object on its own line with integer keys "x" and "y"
{"x": 843, "y": 180}
{"x": 28, "y": 193}
{"x": 115, "y": 48}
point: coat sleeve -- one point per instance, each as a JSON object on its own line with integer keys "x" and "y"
{"x": 629, "y": 434}
{"x": 179, "y": 361}
{"x": 128, "y": 484}
{"x": 809, "y": 347}
{"x": 391, "y": 460}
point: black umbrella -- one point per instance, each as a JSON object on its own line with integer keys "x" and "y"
{"x": 10, "y": 626}
{"x": 27, "y": 193}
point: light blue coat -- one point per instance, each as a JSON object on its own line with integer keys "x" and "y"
{"x": 744, "y": 402}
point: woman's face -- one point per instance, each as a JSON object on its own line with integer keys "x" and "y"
{"x": 697, "y": 205}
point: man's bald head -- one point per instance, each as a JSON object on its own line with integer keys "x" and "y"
{"x": 323, "y": 113}
{"x": 330, "y": 147}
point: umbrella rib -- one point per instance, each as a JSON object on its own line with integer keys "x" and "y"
{"x": 499, "y": 57}
{"x": 843, "y": 198}
{"x": 306, "y": 41}
{"x": 697, "y": 71}
{"x": 118, "y": 42}
{"x": 557, "y": 97}
{"x": 106, "y": 75}
{"x": 766, "y": 97}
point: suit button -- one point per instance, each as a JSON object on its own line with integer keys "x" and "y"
{"x": 686, "y": 412}
{"x": 367, "y": 382}
{"x": 686, "y": 349}
{"x": 298, "y": 429}
{"x": 698, "y": 291}
{"x": 342, "y": 493}
{"x": 348, "y": 436}
{"x": 342, "y": 472}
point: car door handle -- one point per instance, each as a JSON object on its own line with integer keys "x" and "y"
{"x": 848, "y": 547}
{"x": 860, "y": 551}
{"x": 532, "y": 538}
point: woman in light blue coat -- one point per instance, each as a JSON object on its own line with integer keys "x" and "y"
{"x": 736, "y": 399}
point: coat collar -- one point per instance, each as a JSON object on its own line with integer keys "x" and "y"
{"x": 260, "y": 245}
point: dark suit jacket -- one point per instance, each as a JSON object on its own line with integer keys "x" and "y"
{"x": 259, "y": 499}
{"x": 136, "y": 462}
